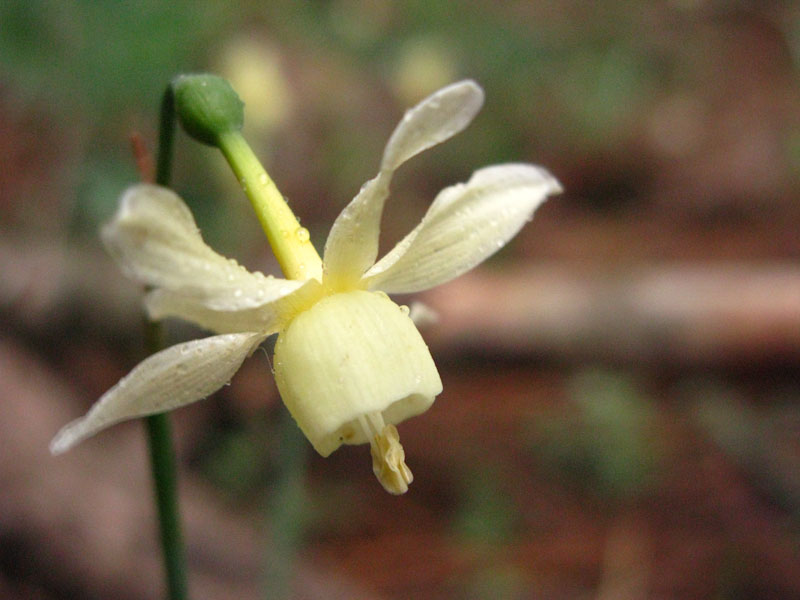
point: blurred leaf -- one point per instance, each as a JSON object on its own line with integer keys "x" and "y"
{"x": 105, "y": 177}
{"x": 507, "y": 582}
{"x": 603, "y": 89}
{"x": 762, "y": 440}
{"x": 607, "y": 448}
{"x": 236, "y": 462}
{"x": 485, "y": 514}
{"x": 92, "y": 58}
{"x": 288, "y": 511}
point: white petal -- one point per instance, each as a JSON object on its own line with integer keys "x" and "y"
{"x": 156, "y": 241}
{"x": 439, "y": 117}
{"x": 266, "y": 319}
{"x": 352, "y": 245}
{"x": 422, "y": 314}
{"x": 174, "y": 377}
{"x": 161, "y": 304}
{"x": 466, "y": 224}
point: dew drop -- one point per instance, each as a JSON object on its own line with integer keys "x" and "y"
{"x": 301, "y": 233}
{"x": 237, "y": 293}
{"x": 263, "y": 179}
{"x": 404, "y": 309}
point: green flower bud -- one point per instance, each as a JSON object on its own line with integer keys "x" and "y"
{"x": 207, "y": 106}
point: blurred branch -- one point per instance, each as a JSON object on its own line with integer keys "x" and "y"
{"x": 44, "y": 282}
{"x": 714, "y": 314}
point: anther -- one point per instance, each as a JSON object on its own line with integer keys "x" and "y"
{"x": 388, "y": 456}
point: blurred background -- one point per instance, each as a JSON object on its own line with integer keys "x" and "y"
{"x": 620, "y": 415}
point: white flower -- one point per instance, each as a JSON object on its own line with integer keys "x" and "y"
{"x": 349, "y": 362}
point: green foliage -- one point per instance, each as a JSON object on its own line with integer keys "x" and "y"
{"x": 236, "y": 462}
{"x": 607, "y": 447}
{"x": 485, "y": 514}
{"x": 93, "y": 66}
{"x": 493, "y": 582}
{"x": 94, "y": 59}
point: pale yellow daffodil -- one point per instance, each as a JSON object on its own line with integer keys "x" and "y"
{"x": 349, "y": 363}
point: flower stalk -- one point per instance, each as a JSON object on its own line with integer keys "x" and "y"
{"x": 159, "y": 429}
{"x": 211, "y": 112}
{"x": 289, "y": 241}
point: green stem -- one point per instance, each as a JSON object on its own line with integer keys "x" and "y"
{"x": 162, "y": 453}
{"x": 166, "y": 135}
{"x": 162, "y": 463}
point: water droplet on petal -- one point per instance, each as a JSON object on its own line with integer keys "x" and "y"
{"x": 237, "y": 293}
{"x": 404, "y": 309}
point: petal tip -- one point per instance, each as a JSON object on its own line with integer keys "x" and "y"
{"x": 63, "y": 441}
{"x": 467, "y": 86}
{"x": 554, "y": 185}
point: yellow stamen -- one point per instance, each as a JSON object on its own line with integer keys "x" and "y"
{"x": 388, "y": 456}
